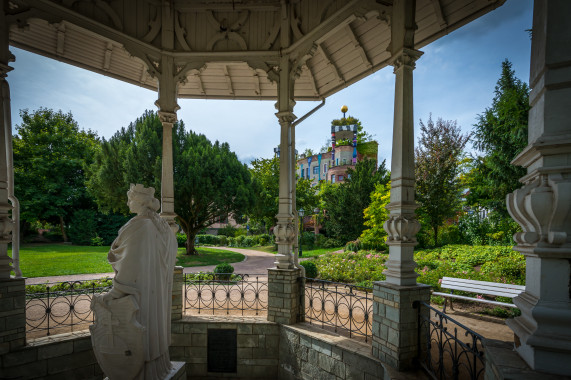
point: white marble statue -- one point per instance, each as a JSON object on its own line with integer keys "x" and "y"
{"x": 131, "y": 334}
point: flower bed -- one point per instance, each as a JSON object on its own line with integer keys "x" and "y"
{"x": 483, "y": 263}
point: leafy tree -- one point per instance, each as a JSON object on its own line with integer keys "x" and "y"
{"x": 266, "y": 175}
{"x": 50, "y": 157}
{"x": 375, "y": 216}
{"x": 501, "y": 134}
{"x": 438, "y": 155}
{"x": 345, "y": 202}
{"x": 209, "y": 180}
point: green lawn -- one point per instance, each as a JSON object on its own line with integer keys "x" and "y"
{"x": 306, "y": 253}
{"x": 41, "y": 260}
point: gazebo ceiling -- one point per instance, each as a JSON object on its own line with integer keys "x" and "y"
{"x": 229, "y": 49}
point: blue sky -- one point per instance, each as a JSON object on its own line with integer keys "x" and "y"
{"x": 454, "y": 79}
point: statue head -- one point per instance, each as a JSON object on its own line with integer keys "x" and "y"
{"x": 142, "y": 199}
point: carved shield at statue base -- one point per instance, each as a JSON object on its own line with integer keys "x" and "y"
{"x": 117, "y": 337}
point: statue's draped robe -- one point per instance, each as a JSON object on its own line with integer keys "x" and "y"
{"x": 143, "y": 257}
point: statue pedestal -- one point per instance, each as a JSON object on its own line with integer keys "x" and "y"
{"x": 178, "y": 372}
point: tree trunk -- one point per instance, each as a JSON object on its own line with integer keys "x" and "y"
{"x": 190, "y": 250}
{"x": 435, "y": 230}
{"x": 62, "y": 227}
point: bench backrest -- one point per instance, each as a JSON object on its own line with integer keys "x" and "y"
{"x": 482, "y": 287}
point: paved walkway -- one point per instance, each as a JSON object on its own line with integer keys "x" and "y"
{"x": 256, "y": 262}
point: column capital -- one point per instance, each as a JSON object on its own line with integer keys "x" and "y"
{"x": 4, "y": 70}
{"x": 405, "y": 57}
{"x": 285, "y": 117}
{"x": 401, "y": 229}
{"x": 167, "y": 117}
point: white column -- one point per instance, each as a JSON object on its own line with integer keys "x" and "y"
{"x": 402, "y": 224}
{"x": 542, "y": 206}
{"x": 6, "y": 224}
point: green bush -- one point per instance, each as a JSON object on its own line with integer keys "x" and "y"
{"x": 308, "y": 239}
{"x": 353, "y": 246}
{"x": 227, "y": 231}
{"x": 108, "y": 226}
{"x": 223, "y": 271}
{"x": 222, "y": 240}
{"x": 331, "y": 243}
{"x": 181, "y": 240}
{"x": 264, "y": 239}
{"x": 208, "y": 239}
{"x": 310, "y": 269}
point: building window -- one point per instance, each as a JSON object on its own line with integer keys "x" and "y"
{"x": 302, "y": 173}
{"x": 324, "y": 168}
{"x": 307, "y": 173}
{"x": 332, "y": 178}
{"x": 316, "y": 169}
{"x": 344, "y": 161}
{"x": 337, "y": 162}
{"x": 340, "y": 178}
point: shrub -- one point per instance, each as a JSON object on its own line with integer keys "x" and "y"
{"x": 223, "y": 271}
{"x": 331, "y": 243}
{"x": 108, "y": 226}
{"x": 227, "y": 231}
{"x": 310, "y": 268}
{"x": 181, "y": 240}
{"x": 208, "y": 239}
{"x": 97, "y": 241}
{"x": 308, "y": 239}
{"x": 353, "y": 246}
{"x": 240, "y": 240}
{"x": 264, "y": 239}
{"x": 222, "y": 240}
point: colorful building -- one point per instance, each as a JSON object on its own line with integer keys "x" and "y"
{"x": 344, "y": 153}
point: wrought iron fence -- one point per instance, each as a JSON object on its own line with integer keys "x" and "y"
{"x": 345, "y": 308}
{"x": 61, "y": 307}
{"x": 225, "y": 293}
{"x": 447, "y": 348}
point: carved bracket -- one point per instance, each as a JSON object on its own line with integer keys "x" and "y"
{"x": 284, "y": 232}
{"x": 405, "y": 57}
{"x": 542, "y": 208}
{"x": 401, "y": 229}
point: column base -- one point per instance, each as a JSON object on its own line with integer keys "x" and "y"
{"x": 283, "y": 295}
{"x": 543, "y": 334}
{"x": 395, "y": 324}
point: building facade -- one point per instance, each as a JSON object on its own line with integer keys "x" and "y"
{"x": 344, "y": 153}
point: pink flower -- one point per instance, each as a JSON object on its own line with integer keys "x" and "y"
{"x": 440, "y": 281}
{"x": 479, "y": 297}
{"x": 368, "y": 256}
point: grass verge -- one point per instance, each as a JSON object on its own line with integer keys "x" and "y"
{"x": 42, "y": 260}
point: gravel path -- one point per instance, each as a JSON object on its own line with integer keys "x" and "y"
{"x": 256, "y": 262}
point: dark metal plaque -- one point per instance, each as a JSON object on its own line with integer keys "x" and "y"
{"x": 222, "y": 350}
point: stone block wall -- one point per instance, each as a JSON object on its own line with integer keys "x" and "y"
{"x": 257, "y": 344}
{"x": 395, "y": 323}
{"x": 283, "y": 295}
{"x": 12, "y": 314}
{"x": 64, "y": 356}
{"x": 309, "y": 353}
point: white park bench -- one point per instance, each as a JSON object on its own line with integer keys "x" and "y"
{"x": 478, "y": 287}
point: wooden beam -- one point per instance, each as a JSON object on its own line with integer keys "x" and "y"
{"x": 228, "y": 79}
{"x": 330, "y": 64}
{"x": 60, "y": 46}
{"x": 107, "y": 59}
{"x": 351, "y": 34}
{"x": 439, "y": 14}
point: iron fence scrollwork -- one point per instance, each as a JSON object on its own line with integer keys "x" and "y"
{"x": 62, "y": 306}
{"x": 344, "y": 307}
{"x": 446, "y": 348}
{"x": 226, "y": 292}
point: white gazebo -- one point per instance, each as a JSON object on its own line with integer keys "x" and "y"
{"x": 292, "y": 50}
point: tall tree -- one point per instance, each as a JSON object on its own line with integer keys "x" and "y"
{"x": 266, "y": 175}
{"x": 375, "y": 216}
{"x": 501, "y": 134}
{"x": 437, "y": 166}
{"x": 50, "y": 157}
{"x": 345, "y": 202}
{"x": 209, "y": 180}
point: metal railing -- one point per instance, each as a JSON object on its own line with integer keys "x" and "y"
{"x": 62, "y": 307}
{"x": 447, "y": 348}
{"x": 346, "y": 308}
{"x": 225, "y": 293}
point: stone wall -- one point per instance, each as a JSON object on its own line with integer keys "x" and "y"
{"x": 257, "y": 345}
{"x": 64, "y": 356}
{"x": 307, "y": 352}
